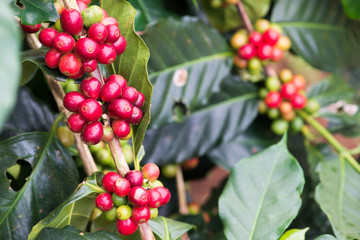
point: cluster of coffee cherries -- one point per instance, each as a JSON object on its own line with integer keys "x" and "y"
{"x": 123, "y": 104}
{"x": 132, "y": 199}
{"x": 259, "y": 46}
{"x": 281, "y": 97}
{"x": 80, "y": 41}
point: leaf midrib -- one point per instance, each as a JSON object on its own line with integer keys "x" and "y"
{"x": 341, "y": 191}
{"x": 319, "y": 26}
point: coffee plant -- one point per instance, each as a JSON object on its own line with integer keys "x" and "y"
{"x": 192, "y": 119}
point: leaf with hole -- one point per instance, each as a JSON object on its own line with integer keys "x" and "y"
{"x": 36, "y": 11}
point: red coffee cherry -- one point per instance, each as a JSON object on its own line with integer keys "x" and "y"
{"x": 288, "y": 90}
{"x": 77, "y": 75}
{"x": 141, "y": 214}
{"x": 104, "y": 202}
{"x": 69, "y": 64}
{"x": 299, "y": 82}
{"x": 98, "y": 32}
{"x": 90, "y": 88}
{"x": 151, "y": 171}
{"x": 46, "y": 36}
{"x": 72, "y": 101}
{"x": 92, "y": 133}
{"x": 107, "y": 54}
{"x": 108, "y": 134}
{"x": 105, "y": 14}
{"x": 87, "y": 2}
{"x": 76, "y": 123}
{"x": 30, "y": 28}
{"x": 81, "y": 5}
{"x": 264, "y": 51}
{"x": 255, "y": 38}
{"x": 155, "y": 199}
{"x": 86, "y": 49}
{"x": 71, "y": 21}
{"x": 298, "y": 101}
{"x": 121, "y": 187}
{"x": 120, "y": 128}
{"x": 273, "y": 99}
{"x": 271, "y": 36}
{"x": 111, "y": 91}
{"x": 89, "y": 66}
{"x": 63, "y": 42}
{"x": 140, "y": 101}
{"x": 247, "y": 51}
{"x": 109, "y": 20}
{"x": 136, "y": 116}
{"x": 130, "y": 94}
{"x": 276, "y": 54}
{"x": 120, "y": 45}
{"x": 126, "y": 227}
{"x": 91, "y": 110}
{"x": 114, "y": 33}
{"x": 165, "y": 194}
{"x": 138, "y": 196}
{"x": 121, "y": 109}
{"x": 108, "y": 181}
{"x": 118, "y": 79}
{"x": 135, "y": 178}
{"x": 52, "y": 58}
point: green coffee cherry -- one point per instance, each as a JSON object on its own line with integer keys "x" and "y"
{"x": 156, "y": 183}
{"x": 123, "y": 212}
{"x": 118, "y": 201}
{"x": 216, "y": 3}
{"x": 153, "y": 213}
{"x": 272, "y": 83}
{"x": 111, "y": 214}
{"x": 312, "y": 106}
{"x": 263, "y": 92}
{"x": 254, "y": 65}
{"x": 66, "y": 136}
{"x": 261, "y": 25}
{"x": 273, "y": 113}
{"x": 103, "y": 157}
{"x": 71, "y": 86}
{"x": 128, "y": 153}
{"x": 98, "y": 12}
{"x": 262, "y": 108}
{"x": 296, "y": 124}
{"x": 58, "y": 26}
{"x": 279, "y": 126}
{"x": 169, "y": 170}
{"x": 276, "y": 27}
{"x": 89, "y": 17}
{"x": 97, "y": 147}
{"x": 95, "y": 214}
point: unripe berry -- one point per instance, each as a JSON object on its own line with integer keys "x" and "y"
{"x": 89, "y": 66}
{"x": 138, "y": 196}
{"x": 247, "y": 51}
{"x": 156, "y": 183}
{"x": 92, "y": 133}
{"x": 46, "y": 36}
{"x": 108, "y": 181}
{"x": 135, "y": 178}
{"x": 264, "y": 51}
{"x": 272, "y": 83}
{"x": 90, "y": 88}
{"x": 120, "y": 109}
{"x": 299, "y": 82}
{"x": 312, "y": 106}
{"x": 273, "y": 99}
{"x": 121, "y": 187}
{"x": 86, "y": 49}
{"x": 30, "y": 28}
{"x": 98, "y": 32}
{"x": 298, "y": 101}
{"x": 73, "y": 100}
{"x": 165, "y": 194}
{"x": 65, "y": 135}
{"x": 262, "y": 108}
{"x": 120, "y": 45}
{"x": 141, "y": 214}
{"x": 52, "y": 58}
{"x": 285, "y": 75}
{"x": 123, "y": 212}
{"x": 150, "y": 171}
{"x": 255, "y": 38}
{"x": 130, "y": 94}
{"x": 114, "y": 33}
{"x": 126, "y": 227}
{"x": 239, "y": 62}
{"x": 155, "y": 198}
{"x": 58, "y": 26}
{"x": 254, "y": 65}
{"x": 284, "y": 43}
{"x": 285, "y": 108}
{"x": 261, "y": 25}
{"x": 140, "y": 101}
{"x": 103, "y": 202}
{"x": 239, "y": 39}
{"x": 118, "y": 79}
{"x": 108, "y": 134}
{"x": 296, "y": 124}
{"x": 277, "y": 54}
{"x": 91, "y": 110}
{"x": 76, "y": 123}
{"x": 109, "y": 21}
{"x": 71, "y": 21}
{"x": 289, "y": 116}
{"x": 120, "y": 128}
{"x": 107, "y": 54}
{"x": 153, "y": 213}
{"x": 98, "y": 12}
{"x": 69, "y": 64}
{"x": 279, "y": 126}
{"x": 89, "y": 17}
{"x": 110, "y": 91}
{"x": 288, "y": 90}
{"x": 63, "y": 42}
{"x": 273, "y": 113}
{"x": 190, "y": 163}
{"x": 118, "y": 201}
{"x": 271, "y": 36}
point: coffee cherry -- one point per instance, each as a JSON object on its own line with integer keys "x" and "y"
{"x": 140, "y": 100}
{"x": 128, "y": 136}
{"x": 52, "y": 58}
{"x": 46, "y": 36}
{"x": 299, "y": 82}
{"x": 69, "y": 64}
{"x": 30, "y": 28}
{"x": 155, "y": 183}
{"x": 110, "y": 91}
{"x": 63, "y": 42}
{"x": 277, "y": 54}
{"x": 120, "y": 128}
{"x": 155, "y": 198}
{"x": 76, "y": 123}
{"x": 65, "y": 135}
{"x": 216, "y": 3}
{"x": 272, "y": 83}
{"x": 108, "y": 181}
{"x": 105, "y": 14}
{"x": 111, "y": 214}
{"x": 285, "y": 108}
{"x": 312, "y": 106}
{"x": 279, "y": 126}
{"x": 121, "y": 109}
{"x": 130, "y": 94}
{"x": 289, "y": 116}
{"x": 153, "y": 213}
{"x": 276, "y": 27}
{"x": 296, "y": 125}
{"x": 264, "y": 51}
{"x": 87, "y": 2}
{"x": 190, "y": 163}
{"x": 58, "y": 26}
{"x": 103, "y": 202}
{"x": 90, "y": 88}
{"x": 121, "y": 187}
{"x": 120, "y": 45}
{"x": 109, "y": 21}
{"x": 255, "y": 38}
{"x": 169, "y": 170}
{"x": 71, "y": 21}
{"x": 254, "y": 65}
{"x": 118, "y": 79}
{"x": 135, "y": 178}
{"x": 138, "y": 196}
{"x": 298, "y": 101}
{"x": 239, "y": 39}
{"x": 72, "y": 101}
{"x": 92, "y": 133}
{"x": 273, "y": 99}
{"x": 126, "y": 227}
{"x": 261, "y": 25}
{"x": 89, "y": 66}
{"x": 262, "y": 108}
{"x": 273, "y": 113}
{"x": 114, "y": 33}
{"x": 150, "y": 171}
{"x": 284, "y": 43}
{"x": 86, "y": 49}
{"x": 103, "y": 157}
{"x": 165, "y": 194}
{"x": 194, "y": 208}
{"x": 118, "y": 201}
{"x": 98, "y": 12}
{"x": 108, "y": 134}
{"x": 285, "y": 75}
{"x": 81, "y": 5}
{"x": 136, "y": 116}
{"x": 288, "y": 90}
{"x": 239, "y": 62}
{"x": 271, "y": 36}
{"x": 91, "y": 110}
{"x": 247, "y": 51}
{"x": 123, "y": 212}
{"x": 89, "y": 17}
{"x": 263, "y": 92}
{"x": 107, "y": 54}
{"x": 98, "y": 32}
{"x": 141, "y": 214}
{"x": 77, "y": 75}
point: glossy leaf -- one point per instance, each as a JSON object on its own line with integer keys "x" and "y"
{"x": 9, "y": 61}
{"x": 339, "y": 197}
{"x": 294, "y": 234}
{"x": 37, "y": 11}
{"x": 343, "y": 123}
{"x": 351, "y": 8}
{"x": 175, "y": 228}
{"x": 189, "y": 60}
{"x": 262, "y": 195}
{"x": 28, "y": 72}
{"x": 325, "y": 237}
{"x": 54, "y": 176}
{"x": 132, "y": 64}
{"x": 75, "y": 210}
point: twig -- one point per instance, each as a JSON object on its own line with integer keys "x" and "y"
{"x": 244, "y": 17}
{"x": 180, "y": 185}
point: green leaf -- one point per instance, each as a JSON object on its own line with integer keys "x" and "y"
{"x": 326, "y": 41}
{"x": 343, "y": 123}
{"x": 75, "y": 210}
{"x": 54, "y": 176}
{"x": 188, "y": 62}
{"x": 351, "y": 8}
{"x": 9, "y": 61}
{"x": 175, "y": 228}
{"x": 294, "y": 234}
{"x": 227, "y": 17}
{"x": 70, "y": 232}
{"x": 132, "y": 64}
{"x": 325, "y": 237}
{"x": 37, "y": 11}
{"x": 262, "y": 195}
{"x": 338, "y": 196}
{"x": 28, "y": 72}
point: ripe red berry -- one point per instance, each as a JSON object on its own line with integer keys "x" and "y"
{"x": 126, "y": 227}
{"x": 120, "y": 128}
{"x": 141, "y": 214}
{"x": 98, "y": 32}
{"x": 109, "y": 20}
{"x": 135, "y": 178}
{"x": 299, "y": 82}
{"x": 110, "y": 91}
{"x": 247, "y": 51}
{"x": 81, "y": 5}
{"x": 105, "y": 14}
{"x": 165, "y": 194}
{"x": 264, "y": 51}
{"x": 91, "y": 110}
{"x": 155, "y": 198}
{"x": 140, "y": 101}
{"x": 30, "y": 28}
{"x": 288, "y": 90}
{"x": 255, "y": 38}
{"x": 298, "y": 101}
{"x": 151, "y": 171}
{"x": 271, "y": 36}
{"x": 92, "y": 133}
{"x": 276, "y": 54}
{"x": 107, "y": 54}
{"x": 69, "y": 64}
{"x": 72, "y": 101}
{"x": 104, "y": 202}
{"x": 138, "y": 196}
{"x": 121, "y": 187}
{"x": 114, "y": 33}
{"x": 77, "y": 75}
{"x": 71, "y": 21}
{"x": 136, "y": 116}
{"x": 86, "y": 49}
{"x": 120, "y": 45}
{"x": 76, "y": 123}
{"x": 120, "y": 109}
{"x": 46, "y": 36}
{"x": 108, "y": 181}
{"x": 89, "y": 66}
{"x": 118, "y": 79}
{"x": 90, "y": 88}
{"x": 52, "y": 58}
{"x": 130, "y": 94}
{"x": 63, "y": 42}
{"x": 190, "y": 163}
{"x": 273, "y": 99}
